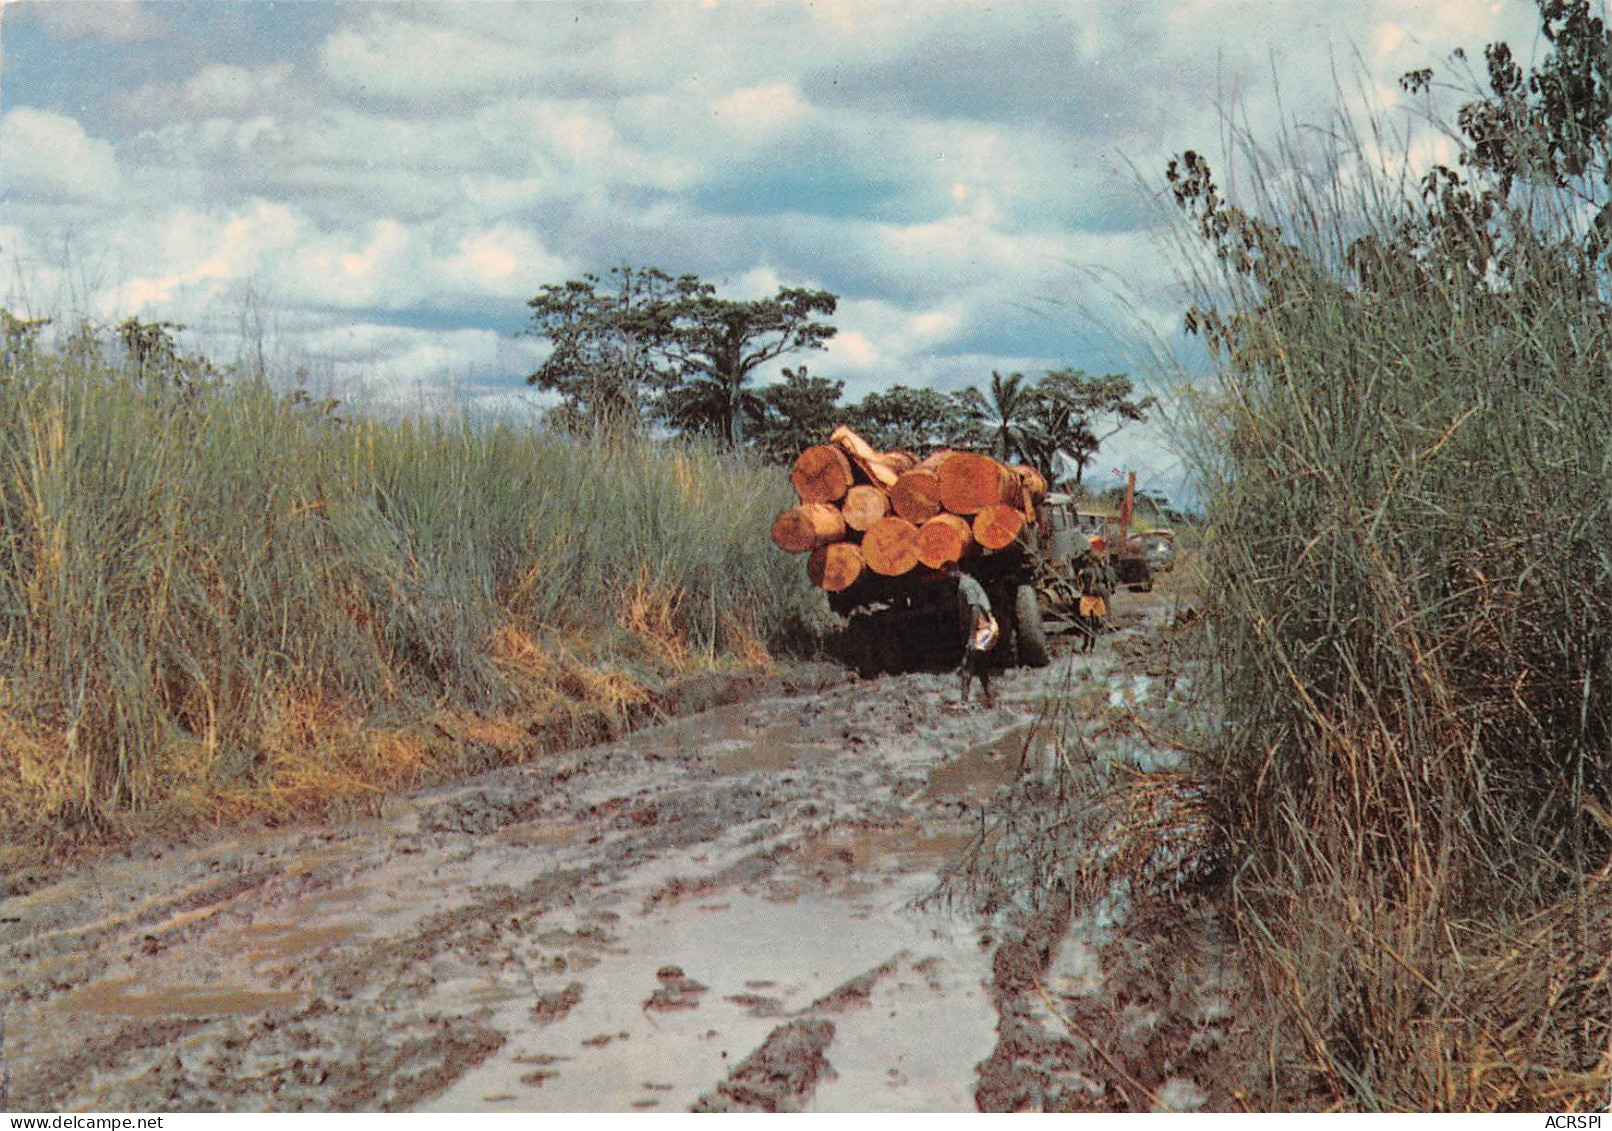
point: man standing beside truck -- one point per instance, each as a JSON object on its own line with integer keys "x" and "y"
{"x": 1096, "y": 581}
{"x": 980, "y": 633}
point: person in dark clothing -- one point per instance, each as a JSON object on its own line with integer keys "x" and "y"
{"x": 979, "y": 630}
{"x": 1095, "y": 579}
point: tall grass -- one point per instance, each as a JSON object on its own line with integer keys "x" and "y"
{"x": 186, "y": 571}
{"x": 1407, "y": 462}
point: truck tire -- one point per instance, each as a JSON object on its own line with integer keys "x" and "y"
{"x": 1032, "y": 636}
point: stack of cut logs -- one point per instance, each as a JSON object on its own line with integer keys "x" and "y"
{"x": 890, "y": 512}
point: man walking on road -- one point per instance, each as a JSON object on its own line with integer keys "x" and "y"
{"x": 980, "y": 633}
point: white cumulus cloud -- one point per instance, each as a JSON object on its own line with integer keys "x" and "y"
{"x": 45, "y": 156}
{"x": 503, "y": 262}
{"x": 202, "y": 256}
{"x": 760, "y": 111}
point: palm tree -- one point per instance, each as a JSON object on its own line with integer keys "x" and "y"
{"x": 1010, "y": 400}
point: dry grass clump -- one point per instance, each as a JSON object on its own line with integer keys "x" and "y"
{"x": 211, "y": 590}
{"x": 1365, "y": 1000}
{"x": 1411, "y": 618}
{"x": 651, "y": 610}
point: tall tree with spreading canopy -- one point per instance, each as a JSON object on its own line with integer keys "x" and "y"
{"x": 716, "y": 345}
{"x": 1072, "y": 414}
{"x": 918, "y": 419}
{"x": 607, "y": 363}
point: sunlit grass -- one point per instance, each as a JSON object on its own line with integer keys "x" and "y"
{"x": 222, "y": 591}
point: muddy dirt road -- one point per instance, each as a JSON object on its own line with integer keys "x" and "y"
{"x": 714, "y": 913}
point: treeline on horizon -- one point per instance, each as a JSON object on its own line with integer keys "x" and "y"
{"x": 640, "y": 349}
{"x": 649, "y": 355}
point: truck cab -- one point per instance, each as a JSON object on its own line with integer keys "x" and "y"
{"x": 1072, "y": 532}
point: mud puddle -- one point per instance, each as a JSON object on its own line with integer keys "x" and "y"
{"x": 125, "y": 997}
{"x": 679, "y": 997}
{"x": 742, "y": 737}
{"x": 983, "y": 769}
{"x": 654, "y": 924}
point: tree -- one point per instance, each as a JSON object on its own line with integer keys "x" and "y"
{"x": 649, "y": 345}
{"x": 607, "y": 362}
{"x": 1072, "y": 415}
{"x": 917, "y": 419}
{"x": 715, "y": 346}
{"x": 795, "y": 413}
{"x": 1010, "y": 401}
{"x": 152, "y": 348}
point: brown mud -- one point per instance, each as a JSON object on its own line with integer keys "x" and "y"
{"x": 735, "y": 910}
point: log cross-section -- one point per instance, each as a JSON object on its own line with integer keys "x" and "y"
{"x": 864, "y": 505}
{"x": 970, "y": 482}
{"x": 808, "y": 526}
{"x": 997, "y": 525}
{"x": 916, "y": 495}
{"x": 890, "y": 547}
{"x": 834, "y": 567}
{"x": 822, "y": 474}
{"x": 943, "y": 539}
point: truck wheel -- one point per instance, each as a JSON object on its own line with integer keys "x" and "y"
{"x": 1032, "y": 636}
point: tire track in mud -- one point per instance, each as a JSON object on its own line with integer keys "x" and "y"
{"x": 494, "y": 944}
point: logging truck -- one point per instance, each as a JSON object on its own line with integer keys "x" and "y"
{"x": 881, "y": 528}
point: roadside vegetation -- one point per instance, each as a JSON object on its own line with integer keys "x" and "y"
{"x": 1405, "y": 454}
{"x": 218, "y": 597}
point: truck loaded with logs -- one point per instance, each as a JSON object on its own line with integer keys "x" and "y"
{"x": 882, "y": 527}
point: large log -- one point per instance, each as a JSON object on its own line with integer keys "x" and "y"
{"x": 890, "y": 547}
{"x": 1034, "y": 487}
{"x": 944, "y": 538}
{"x": 970, "y": 482}
{"x": 864, "y": 505}
{"x": 872, "y": 464}
{"x": 834, "y": 567}
{"x": 822, "y": 474}
{"x": 997, "y": 526}
{"x": 808, "y": 526}
{"x": 916, "y": 495}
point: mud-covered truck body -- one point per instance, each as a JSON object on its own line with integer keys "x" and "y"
{"x": 897, "y": 623}
{"x": 1134, "y": 555}
{"x": 882, "y": 527}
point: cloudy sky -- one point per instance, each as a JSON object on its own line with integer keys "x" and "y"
{"x": 375, "y": 189}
